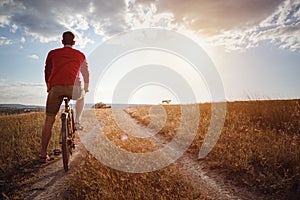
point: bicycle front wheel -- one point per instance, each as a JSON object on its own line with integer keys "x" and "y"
{"x": 65, "y": 147}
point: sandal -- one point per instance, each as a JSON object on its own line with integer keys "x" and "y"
{"x": 78, "y": 126}
{"x": 45, "y": 159}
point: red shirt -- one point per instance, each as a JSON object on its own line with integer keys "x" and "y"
{"x": 64, "y": 65}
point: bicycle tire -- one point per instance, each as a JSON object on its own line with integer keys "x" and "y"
{"x": 65, "y": 147}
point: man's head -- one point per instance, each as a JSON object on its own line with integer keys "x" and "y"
{"x": 68, "y": 38}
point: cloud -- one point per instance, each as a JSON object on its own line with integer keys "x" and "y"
{"x": 234, "y": 24}
{"x": 34, "y": 56}
{"x": 4, "y": 21}
{"x": 23, "y": 40}
{"x": 14, "y": 28}
{"x": 46, "y": 20}
{"x": 212, "y": 17}
{"x": 5, "y": 41}
{"x": 281, "y": 28}
{"x": 143, "y": 14}
{"x": 22, "y": 92}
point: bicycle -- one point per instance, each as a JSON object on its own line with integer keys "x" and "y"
{"x": 68, "y": 133}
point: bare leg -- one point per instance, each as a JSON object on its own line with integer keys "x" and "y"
{"x": 46, "y": 134}
{"x": 79, "y": 109}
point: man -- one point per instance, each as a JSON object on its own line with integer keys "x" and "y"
{"x": 63, "y": 69}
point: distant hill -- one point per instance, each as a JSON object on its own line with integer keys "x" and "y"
{"x": 19, "y": 108}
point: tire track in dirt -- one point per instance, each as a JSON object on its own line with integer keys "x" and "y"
{"x": 206, "y": 182}
{"x": 51, "y": 181}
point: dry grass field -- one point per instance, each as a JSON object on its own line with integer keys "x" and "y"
{"x": 19, "y": 146}
{"x": 97, "y": 181}
{"x": 259, "y": 146}
{"x": 258, "y": 149}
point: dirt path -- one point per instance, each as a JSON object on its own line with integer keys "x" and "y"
{"x": 50, "y": 181}
{"x": 210, "y": 183}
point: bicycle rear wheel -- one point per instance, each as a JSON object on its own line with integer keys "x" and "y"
{"x": 65, "y": 146}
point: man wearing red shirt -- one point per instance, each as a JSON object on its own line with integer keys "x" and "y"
{"x": 63, "y": 71}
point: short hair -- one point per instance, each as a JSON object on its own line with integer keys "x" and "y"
{"x": 68, "y": 37}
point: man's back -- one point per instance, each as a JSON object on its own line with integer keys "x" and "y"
{"x": 63, "y": 65}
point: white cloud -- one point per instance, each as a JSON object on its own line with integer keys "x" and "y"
{"x": 235, "y": 24}
{"x": 4, "y": 21}
{"x": 23, "y": 40}
{"x": 5, "y": 41}
{"x": 141, "y": 15}
{"x": 22, "y": 92}
{"x": 77, "y": 22}
{"x": 34, "y": 56}
{"x": 13, "y": 28}
{"x": 281, "y": 27}
{"x": 212, "y": 17}
{"x": 46, "y": 20}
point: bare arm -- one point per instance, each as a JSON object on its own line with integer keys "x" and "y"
{"x": 47, "y": 71}
{"x": 86, "y": 75}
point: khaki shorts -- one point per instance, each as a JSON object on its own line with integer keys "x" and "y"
{"x": 56, "y": 95}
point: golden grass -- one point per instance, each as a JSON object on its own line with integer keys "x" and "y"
{"x": 20, "y": 137}
{"x": 258, "y": 148}
{"x": 97, "y": 181}
{"x": 259, "y": 145}
{"x": 114, "y": 134}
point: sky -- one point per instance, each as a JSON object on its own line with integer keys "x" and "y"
{"x": 254, "y": 44}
